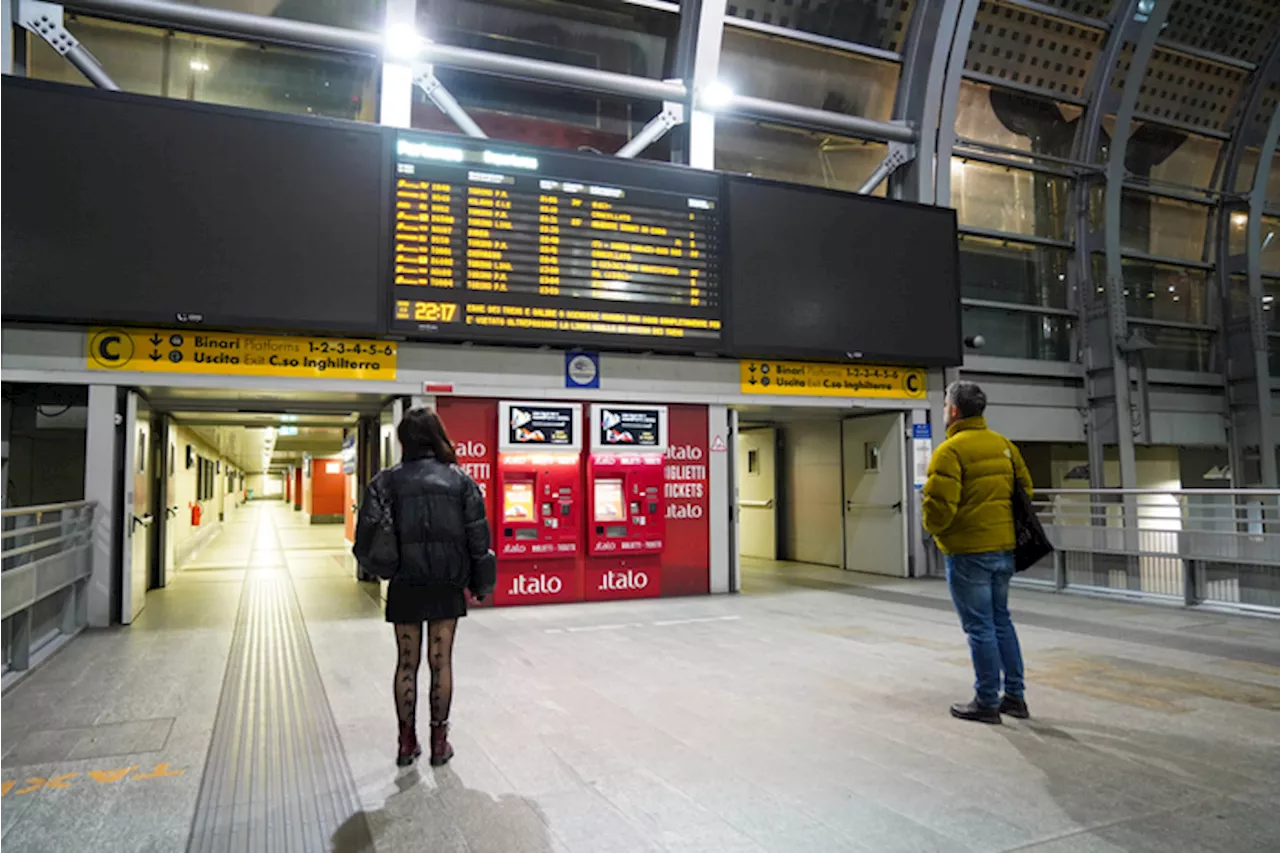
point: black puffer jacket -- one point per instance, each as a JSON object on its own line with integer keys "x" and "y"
{"x": 440, "y": 520}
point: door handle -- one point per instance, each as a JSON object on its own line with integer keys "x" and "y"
{"x": 144, "y": 521}
{"x": 170, "y": 511}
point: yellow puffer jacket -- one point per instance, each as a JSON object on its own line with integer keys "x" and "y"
{"x": 968, "y": 500}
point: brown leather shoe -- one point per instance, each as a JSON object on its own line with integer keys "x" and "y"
{"x": 410, "y": 749}
{"x": 441, "y": 751}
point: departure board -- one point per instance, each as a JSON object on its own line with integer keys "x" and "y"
{"x": 505, "y": 244}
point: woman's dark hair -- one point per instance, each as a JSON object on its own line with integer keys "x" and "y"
{"x": 422, "y": 433}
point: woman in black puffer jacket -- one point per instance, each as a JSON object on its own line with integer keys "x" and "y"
{"x": 439, "y": 518}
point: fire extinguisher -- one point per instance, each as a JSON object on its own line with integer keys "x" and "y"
{"x": 195, "y": 515}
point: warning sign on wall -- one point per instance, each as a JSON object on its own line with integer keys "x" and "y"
{"x": 816, "y": 379}
{"x": 234, "y": 354}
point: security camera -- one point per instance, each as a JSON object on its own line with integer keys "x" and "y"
{"x": 975, "y": 342}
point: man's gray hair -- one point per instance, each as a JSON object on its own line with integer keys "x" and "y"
{"x": 968, "y": 398}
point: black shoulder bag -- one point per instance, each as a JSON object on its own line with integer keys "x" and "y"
{"x": 1031, "y": 545}
{"x": 381, "y": 557}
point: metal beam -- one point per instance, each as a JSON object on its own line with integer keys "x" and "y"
{"x": 1102, "y": 326}
{"x": 45, "y": 20}
{"x": 702, "y": 25}
{"x": 424, "y": 77}
{"x": 672, "y": 115}
{"x": 1251, "y": 424}
{"x": 808, "y": 117}
{"x": 932, "y": 34}
{"x": 900, "y": 154}
{"x": 8, "y": 19}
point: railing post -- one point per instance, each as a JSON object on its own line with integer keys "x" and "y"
{"x": 20, "y": 641}
{"x": 67, "y": 623}
{"x": 1190, "y": 572}
{"x": 1059, "y": 570}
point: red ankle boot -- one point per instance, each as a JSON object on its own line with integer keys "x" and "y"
{"x": 441, "y": 751}
{"x": 410, "y": 749}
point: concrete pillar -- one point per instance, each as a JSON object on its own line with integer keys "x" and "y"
{"x": 102, "y": 464}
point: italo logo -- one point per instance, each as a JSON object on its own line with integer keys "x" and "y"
{"x": 685, "y": 453}
{"x": 472, "y": 450}
{"x": 621, "y": 581}
{"x": 539, "y": 585}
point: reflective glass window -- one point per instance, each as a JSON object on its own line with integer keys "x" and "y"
{"x": 352, "y": 14}
{"x": 797, "y": 156}
{"x": 1015, "y": 334}
{"x": 796, "y": 72}
{"x": 878, "y": 23}
{"x": 999, "y": 198}
{"x": 1248, "y": 165}
{"x": 1162, "y": 226}
{"x": 151, "y": 61}
{"x": 1165, "y": 292}
{"x": 1180, "y": 349}
{"x": 1015, "y": 120}
{"x": 1170, "y": 156}
{"x": 519, "y": 111}
{"x": 1270, "y": 237}
{"x": 610, "y": 35}
{"x": 1003, "y": 271}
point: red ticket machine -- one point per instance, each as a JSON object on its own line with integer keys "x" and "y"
{"x": 539, "y": 520}
{"x": 626, "y": 504}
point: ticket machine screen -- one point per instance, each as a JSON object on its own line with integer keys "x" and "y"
{"x": 517, "y": 501}
{"x": 609, "y": 500}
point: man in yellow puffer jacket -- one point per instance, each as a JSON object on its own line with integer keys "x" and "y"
{"x": 968, "y": 507}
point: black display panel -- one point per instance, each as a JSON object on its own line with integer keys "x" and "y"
{"x": 832, "y": 275}
{"x": 123, "y": 208}
{"x": 500, "y": 243}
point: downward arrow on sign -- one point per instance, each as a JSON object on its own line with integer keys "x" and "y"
{"x": 155, "y": 340}
{"x": 155, "y": 356}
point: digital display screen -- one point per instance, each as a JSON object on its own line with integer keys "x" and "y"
{"x": 835, "y": 275}
{"x": 140, "y": 210}
{"x": 517, "y": 501}
{"x": 608, "y": 500}
{"x": 491, "y": 243}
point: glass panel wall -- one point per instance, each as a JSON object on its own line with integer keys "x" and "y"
{"x": 519, "y": 111}
{"x": 878, "y": 23}
{"x": 1270, "y": 239}
{"x": 810, "y": 75}
{"x": 1167, "y": 293}
{"x": 798, "y": 156}
{"x": 1000, "y": 198}
{"x": 1015, "y": 120}
{"x": 1016, "y": 334}
{"x": 1180, "y": 349}
{"x": 353, "y": 14}
{"x": 1163, "y": 155}
{"x": 1019, "y": 273}
{"x": 1165, "y": 227}
{"x": 610, "y": 35}
{"x": 151, "y": 61}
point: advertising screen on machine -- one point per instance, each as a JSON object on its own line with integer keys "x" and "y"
{"x": 491, "y": 242}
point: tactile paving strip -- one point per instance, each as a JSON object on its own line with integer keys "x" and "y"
{"x": 277, "y": 778}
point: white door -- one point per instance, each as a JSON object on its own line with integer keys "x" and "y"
{"x": 137, "y": 508}
{"x": 389, "y": 451}
{"x": 757, "y": 501}
{"x": 875, "y": 494}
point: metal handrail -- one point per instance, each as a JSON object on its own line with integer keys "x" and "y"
{"x": 1209, "y": 492}
{"x": 30, "y": 510}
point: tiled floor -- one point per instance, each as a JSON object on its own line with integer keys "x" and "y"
{"x": 808, "y": 714}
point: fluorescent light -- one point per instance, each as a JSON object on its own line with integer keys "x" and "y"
{"x": 403, "y": 42}
{"x": 198, "y": 65}
{"x": 716, "y": 96}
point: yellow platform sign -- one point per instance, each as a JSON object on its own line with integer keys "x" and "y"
{"x": 234, "y": 354}
{"x": 816, "y": 379}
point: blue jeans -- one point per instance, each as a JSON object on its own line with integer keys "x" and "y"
{"x": 980, "y": 589}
